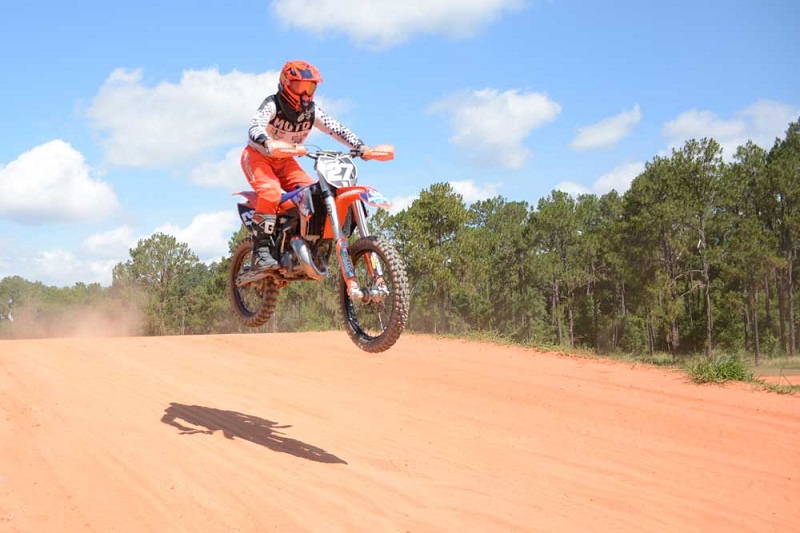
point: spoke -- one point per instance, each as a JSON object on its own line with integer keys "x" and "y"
{"x": 380, "y": 319}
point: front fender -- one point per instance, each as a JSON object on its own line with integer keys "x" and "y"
{"x": 345, "y": 196}
{"x": 369, "y": 195}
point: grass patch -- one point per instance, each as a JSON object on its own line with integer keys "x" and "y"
{"x": 780, "y": 389}
{"x": 661, "y": 359}
{"x": 657, "y": 359}
{"x": 485, "y": 336}
{"x": 718, "y": 370}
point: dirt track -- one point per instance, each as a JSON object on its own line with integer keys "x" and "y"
{"x": 296, "y": 432}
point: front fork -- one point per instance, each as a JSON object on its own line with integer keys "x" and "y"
{"x": 345, "y": 263}
{"x": 373, "y": 266}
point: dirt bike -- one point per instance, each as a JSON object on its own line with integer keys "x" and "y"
{"x": 314, "y": 224}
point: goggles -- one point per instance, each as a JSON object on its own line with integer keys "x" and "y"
{"x": 305, "y": 87}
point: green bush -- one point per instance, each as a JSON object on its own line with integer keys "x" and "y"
{"x": 718, "y": 370}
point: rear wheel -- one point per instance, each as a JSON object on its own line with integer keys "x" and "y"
{"x": 254, "y": 302}
{"x": 375, "y": 322}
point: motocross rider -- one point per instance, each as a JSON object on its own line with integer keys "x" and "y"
{"x": 283, "y": 120}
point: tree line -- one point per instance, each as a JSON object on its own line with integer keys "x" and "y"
{"x": 700, "y": 254}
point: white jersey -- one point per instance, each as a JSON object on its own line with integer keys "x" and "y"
{"x": 270, "y": 122}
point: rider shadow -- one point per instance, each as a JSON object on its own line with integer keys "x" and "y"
{"x": 247, "y": 427}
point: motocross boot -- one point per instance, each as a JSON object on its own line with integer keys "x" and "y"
{"x": 265, "y": 228}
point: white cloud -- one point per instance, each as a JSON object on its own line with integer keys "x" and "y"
{"x": 115, "y": 243}
{"x": 608, "y": 131}
{"x": 472, "y": 192}
{"x": 52, "y": 183}
{"x": 55, "y": 263}
{"x": 572, "y": 188}
{"x": 172, "y": 122}
{"x": 491, "y": 126}
{"x": 761, "y": 123}
{"x": 618, "y": 179}
{"x": 226, "y": 173}
{"x": 698, "y": 124}
{"x": 384, "y": 23}
{"x": 101, "y": 271}
{"x": 207, "y": 235}
{"x": 59, "y": 268}
{"x": 400, "y": 203}
{"x": 93, "y": 263}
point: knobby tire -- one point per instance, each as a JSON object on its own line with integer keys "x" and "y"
{"x": 396, "y": 313}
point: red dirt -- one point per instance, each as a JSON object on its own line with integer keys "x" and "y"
{"x": 295, "y": 432}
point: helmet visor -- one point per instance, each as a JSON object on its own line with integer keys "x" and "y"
{"x": 303, "y": 87}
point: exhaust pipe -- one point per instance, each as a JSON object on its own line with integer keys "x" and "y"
{"x": 303, "y": 254}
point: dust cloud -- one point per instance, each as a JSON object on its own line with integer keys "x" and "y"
{"x": 81, "y": 321}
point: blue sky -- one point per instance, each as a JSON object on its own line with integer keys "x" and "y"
{"x": 123, "y": 119}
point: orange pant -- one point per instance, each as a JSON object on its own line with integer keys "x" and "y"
{"x": 270, "y": 176}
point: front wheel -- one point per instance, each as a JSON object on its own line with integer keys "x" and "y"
{"x": 375, "y": 321}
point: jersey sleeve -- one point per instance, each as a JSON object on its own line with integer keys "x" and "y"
{"x": 258, "y": 124}
{"x": 335, "y": 129}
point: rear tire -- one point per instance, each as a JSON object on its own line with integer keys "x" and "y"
{"x": 254, "y": 303}
{"x": 375, "y": 326}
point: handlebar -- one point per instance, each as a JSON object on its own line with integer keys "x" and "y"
{"x": 382, "y": 152}
{"x": 282, "y": 149}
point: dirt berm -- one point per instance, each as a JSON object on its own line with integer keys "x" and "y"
{"x": 303, "y": 432}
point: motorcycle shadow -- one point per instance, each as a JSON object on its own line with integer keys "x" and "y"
{"x": 239, "y": 425}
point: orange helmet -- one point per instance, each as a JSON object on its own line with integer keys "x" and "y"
{"x": 298, "y": 82}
